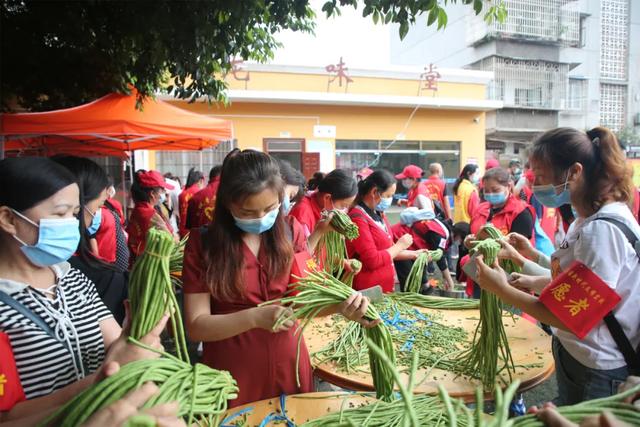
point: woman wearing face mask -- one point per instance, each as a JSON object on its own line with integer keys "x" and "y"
{"x": 465, "y": 194}
{"x": 111, "y": 236}
{"x": 587, "y": 170}
{"x": 243, "y": 259}
{"x": 336, "y": 190}
{"x": 202, "y": 204}
{"x": 294, "y": 185}
{"x": 374, "y": 246}
{"x": 417, "y": 192}
{"x": 147, "y": 191}
{"x": 59, "y": 329}
{"x": 111, "y": 283}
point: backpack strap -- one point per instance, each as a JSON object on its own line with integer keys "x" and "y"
{"x": 631, "y": 356}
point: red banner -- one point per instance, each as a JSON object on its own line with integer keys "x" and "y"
{"x": 579, "y": 298}
{"x": 10, "y": 388}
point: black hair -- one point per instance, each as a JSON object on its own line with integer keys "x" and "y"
{"x": 467, "y": 171}
{"x": 92, "y": 180}
{"x": 381, "y": 179}
{"x": 193, "y": 177}
{"x": 139, "y": 193}
{"x": 27, "y": 181}
{"x": 339, "y": 184}
{"x": 500, "y": 175}
{"x": 215, "y": 172}
{"x": 315, "y": 181}
{"x": 292, "y": 176}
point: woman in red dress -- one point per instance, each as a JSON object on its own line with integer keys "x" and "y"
{"x": 243, "y": 259}
{"x": 195, "y": 183}
{"x": 374, "y": 246}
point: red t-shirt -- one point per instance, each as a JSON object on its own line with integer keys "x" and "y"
{"x": 202, "y": 205}
{"x": 413, "y": 194}
{"x": 308, "y": 212}
{"x": 139, "y": 225}
{"x": 370, "y": 247}
{"x": 262, "y": 362}
{"x": 183, "y": 204}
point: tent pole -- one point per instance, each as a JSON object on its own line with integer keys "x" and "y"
{"x": 125, "y": 199}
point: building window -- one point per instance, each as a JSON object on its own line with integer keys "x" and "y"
{"x": 527, "y": 83}
{"x": 613, "y": 106}
{"x": 179, "y": 162}
{"x": 577, "y": 94}
{"x": 583, "y": 32}
{"x": 394, "y": 156}
{"x": 614, "y": 39}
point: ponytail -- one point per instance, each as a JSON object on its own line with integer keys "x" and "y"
{"x": 605, "y": 172}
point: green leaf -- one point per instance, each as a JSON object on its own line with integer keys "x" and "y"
{"x": 433, "y": 15}
{"x": 477, "y": 6}
{"x": 442, "y": 18}
{"x": 388, "y": 17}
{"x": 376, "y": 16}
{"x": 404, "y": 29}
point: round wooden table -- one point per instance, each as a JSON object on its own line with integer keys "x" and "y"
{"x": 528, "y": 343}
{"x": 300, "y": 408}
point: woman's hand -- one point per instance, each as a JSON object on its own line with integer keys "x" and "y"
{"x": 347, "y": 266}
{"x": 491, "y": 279}
{"x": 266, "y": 316}
{"x": 355, "y": 307}
{"x": 522, "y": 245}
{"x": 468, "y": 241}
{"x": 405, "y": 241}
{"x": 324, "y": 225}
{"x": 123, "y": 352}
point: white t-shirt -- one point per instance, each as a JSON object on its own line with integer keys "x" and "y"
{"x": 603, "y": 248}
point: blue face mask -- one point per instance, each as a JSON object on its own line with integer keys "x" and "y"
{"x": 385, "y": 203}
{"x": 258, "y": 225}
{"x": 95, "y": 222}
{"x": 495, "y": 198}
{"x": 58, "y": 239}
{"x": 286, "y": 204}
{"x": 546, "y": 194}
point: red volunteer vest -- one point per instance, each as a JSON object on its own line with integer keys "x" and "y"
{"x": 501, "y": 220}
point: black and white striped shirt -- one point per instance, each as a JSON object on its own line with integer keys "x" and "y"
{"x": 44, "y": 363}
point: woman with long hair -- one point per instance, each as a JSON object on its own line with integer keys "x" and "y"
{"x": 465, "y": 194}
{"x": 243, "y": 259}
{"x": 195, "y": 183}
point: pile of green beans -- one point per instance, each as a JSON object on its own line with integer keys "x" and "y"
{"x": 202, "y": 392}
{"x": 347, "y": 277}
{"x": 411, "y": 332}
{"x": 428, "y": 301}
{"x": 414, "y": 280}
{"x": 317, "y": 292}
{"x": 175, "y": 261}
{"x": 151, "y": 293}
{"x": 489, "y": 354}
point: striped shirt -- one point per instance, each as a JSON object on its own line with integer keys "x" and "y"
{"x": 44, "y": 363}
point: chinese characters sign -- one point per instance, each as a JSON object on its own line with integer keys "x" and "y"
{"x": 429, "y": 79}
{"x": 338, "y": 71}
{"x": 579, "y": 298}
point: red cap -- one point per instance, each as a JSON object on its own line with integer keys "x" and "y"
{"x": 411, "y": 171}
{"x": 153, "y": 179}
{"x": 365, "y": 172}
{"x": 491, "y": 163}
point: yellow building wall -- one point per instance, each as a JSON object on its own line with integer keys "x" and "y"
{"x": 252, "y": 122}
{"x": 361, "y": 85}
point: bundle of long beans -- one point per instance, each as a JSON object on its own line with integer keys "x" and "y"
{"x": 428, "y": 301}
{"x": 331, "y": 248}
{"x": 151, "y": 293}
{"x": 202, "y": 392}
{"x": 616, "y": 405}
{"x": 347, "y": 276}
{"x": 175, "y": 262}
{"x": 414, "y": 280}
{"x": 319, "y": 291}
{"x": 489, "y": 354}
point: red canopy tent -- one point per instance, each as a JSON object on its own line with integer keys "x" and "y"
{"x": 111, "y": 126}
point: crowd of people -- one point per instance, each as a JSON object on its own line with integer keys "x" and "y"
{"x": 67, "y": 247}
